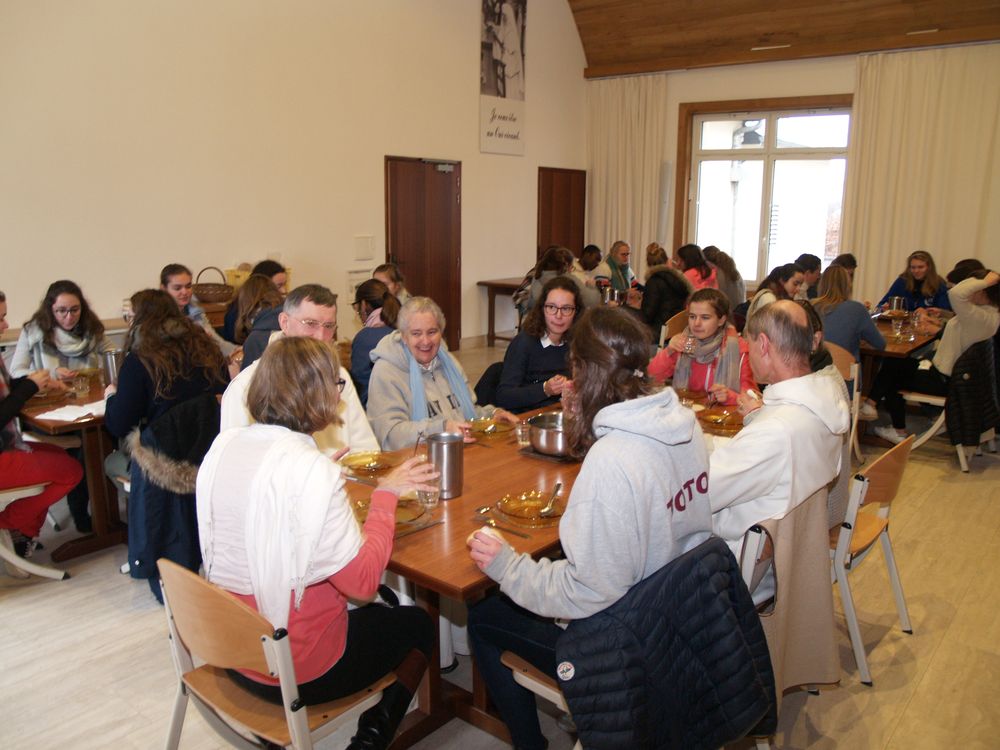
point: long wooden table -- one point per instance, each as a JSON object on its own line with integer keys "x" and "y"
{"x": 108, "y": 528}
{"x": 437, "y": 561}
{"x": 493, "y": 288}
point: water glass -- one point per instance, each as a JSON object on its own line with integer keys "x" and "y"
{"x": 897, "y": 328}
{"x": 523, "y": 432}
{"x": 690, "y": 345}
{"x": 430, "y": 498}
{"x": 81, "y": 386}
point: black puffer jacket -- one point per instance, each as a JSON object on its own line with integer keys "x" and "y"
{"x": 162, "y": 521}
{"x": 679, "y": 662}
{"x": 972, "y": 406}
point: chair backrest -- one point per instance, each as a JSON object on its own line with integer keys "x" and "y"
{"x": 673, "y": 326}
{"x": 842, "y": 359}
{"x": 885, "y": 473}
{"x": 214, "y": 625}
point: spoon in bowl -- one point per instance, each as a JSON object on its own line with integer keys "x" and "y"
{"x": 550, "y": 506}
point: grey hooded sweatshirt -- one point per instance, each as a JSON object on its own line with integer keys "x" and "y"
{"x": 640, "y": 500}
{"x": 389, "y": 397}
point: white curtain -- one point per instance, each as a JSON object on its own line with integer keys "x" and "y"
{"x": 625, "y": 152}
{"x": 923, "y": 162}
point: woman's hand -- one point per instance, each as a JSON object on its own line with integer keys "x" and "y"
{"x": 678, "y": 341}
{"x": 462, "y": 428}
{"x": 43, "y": 380}
{"x": 483, "y": 549}
{"x": 505, "y": 416}
{"x": 554, "y": 386}
{"x": 720, "y": 394}
{"x": 111, "y": 390}
{"x": 634, "y": 298}
{"x": 413, "y": 474}
{"x": 991, "y": 278}
{"x": 748, "y": 402}
{"x": 63, "y": 374}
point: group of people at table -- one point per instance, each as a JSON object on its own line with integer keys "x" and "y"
{"x": 276, "y": 528}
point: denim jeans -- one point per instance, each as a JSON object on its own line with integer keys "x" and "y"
{"x": 496, "y": 625}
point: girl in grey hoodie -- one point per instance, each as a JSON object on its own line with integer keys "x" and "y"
{"x": 640, "y": 500}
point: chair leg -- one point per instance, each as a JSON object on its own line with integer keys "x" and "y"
{"x": 853, "y": 629}
{"x": 897, "y": 585}
{"x": 21, "y": 568}
{"x": 857, "y": 447}
{"x": 963, "y": 461}
{"x": 177, "y": 719}
{"x": 930, "y": 431}
{"x": 52, "y": 520}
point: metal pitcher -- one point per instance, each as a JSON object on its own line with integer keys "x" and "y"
{"x": 445, "y": 451}
{"x": 111, "y": 362}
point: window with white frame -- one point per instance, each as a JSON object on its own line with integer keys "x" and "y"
{"x": 769, "y": 186}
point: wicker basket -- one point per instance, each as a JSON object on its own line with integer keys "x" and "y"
{"x": 212, "y": 292}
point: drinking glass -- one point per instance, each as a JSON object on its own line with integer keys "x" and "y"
{"x": 523, "y": 432}
{"x": 690, "y": 344}
{"x": 897, "y": 328}
{"x": 81, "y": 386}
{"x": 430, "y": 498}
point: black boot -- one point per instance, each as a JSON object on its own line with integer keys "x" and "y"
{"x": 79, "y": 503}
{"x": 377, "y": 726}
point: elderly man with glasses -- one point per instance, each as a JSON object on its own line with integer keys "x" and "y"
{"x": 310, "y": 311}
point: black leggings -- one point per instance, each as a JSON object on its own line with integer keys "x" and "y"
{"x": 378, "y": 639}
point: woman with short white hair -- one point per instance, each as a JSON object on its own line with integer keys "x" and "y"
{"x": 416, "y": 385}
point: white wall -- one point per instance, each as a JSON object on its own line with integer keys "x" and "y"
{"x": 135, "y": 133}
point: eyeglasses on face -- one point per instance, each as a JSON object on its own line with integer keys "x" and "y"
{"x": 557, "y": 310}
{"x": 314, "y": 325}
{"x": 61, "y": 311}
{"x": 340, "y": 384}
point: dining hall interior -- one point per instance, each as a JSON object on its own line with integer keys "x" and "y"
{"x": 214, "y": 134}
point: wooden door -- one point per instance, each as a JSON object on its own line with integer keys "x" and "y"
{"x": 562, "y": 204}
{"x": 424, "y": 232}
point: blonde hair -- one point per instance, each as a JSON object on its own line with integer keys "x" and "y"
{"x": 296, "y": 385}
{"x": 834, "y": 288}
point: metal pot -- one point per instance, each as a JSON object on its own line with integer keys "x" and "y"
{"x": 547, "y": 434}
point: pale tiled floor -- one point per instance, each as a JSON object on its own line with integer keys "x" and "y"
{"x": 85, "y": 661}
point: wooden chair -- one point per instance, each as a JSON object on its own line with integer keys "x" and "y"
{"x": 851, "y": 542}
{"x": 672, "y": 327}
{"x": 529, "y": 676}
{"x": 18, "y": 566}
{"x": 207, "y": 623}
{"x": 850, "y": 371}
{"x": 798, "y": 621}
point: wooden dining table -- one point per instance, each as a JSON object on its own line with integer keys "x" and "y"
{"x": 895, "y": 348}
{"x": 108, "y": 529}
{"x": 436, "y": 560}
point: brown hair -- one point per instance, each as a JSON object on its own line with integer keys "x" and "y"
{"x": 655, "y": 254}
{"x": 608, "y": 357}
{"x": 88, "y": 324}
{"x": 377, "y": 296}
{"x": 722, "y": 261}
{"x": 555, "y": 258}
{"x": 296, "y": 385}
{"x": 993, "y": 291}
{"x": 392, "y": 271}
{"x": 534, "y": 321}
{"x": 834, "y": 288}
{"x": 931, "y": 283}
{"x": 692, "y": 257}
{"x": 845, "y": 260}
{"x": 775, "y": 280}
{"x": 718, "y": 301}
{"x": 173, "y": 269}
{"x": 168, "y": 344}
{"x": 257, "y": 294}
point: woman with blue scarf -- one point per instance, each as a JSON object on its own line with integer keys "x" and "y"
{"x": 416, "y": 385}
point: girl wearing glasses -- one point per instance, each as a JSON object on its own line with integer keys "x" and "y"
{"x": 535, "y": 369}
{"x": 63, "y": 336}
{"x": 708, "y": 355}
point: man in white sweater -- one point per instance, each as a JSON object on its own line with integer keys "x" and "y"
{"x": 310, "y": 310}
{"x": 792, "y": 445}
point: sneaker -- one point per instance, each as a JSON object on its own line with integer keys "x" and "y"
{"x": 24, "y": 546}
{"x": 867, "y": 412}
{"x": 887, "y": 432}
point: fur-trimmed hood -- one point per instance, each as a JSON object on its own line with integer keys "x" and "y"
{"x": 170, "y": 449}
{"x": 664, "y": 268}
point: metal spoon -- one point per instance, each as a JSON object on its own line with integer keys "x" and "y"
{"x": 493, "y": 524}
{"x": 550, "y": 506}
{"x": 484, "y": 509}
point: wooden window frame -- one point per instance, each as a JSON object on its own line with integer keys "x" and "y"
{"x": 687, "y": 111}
